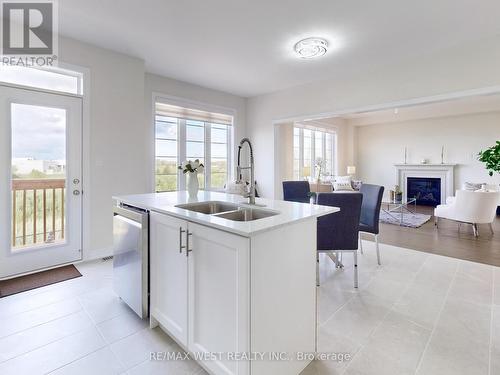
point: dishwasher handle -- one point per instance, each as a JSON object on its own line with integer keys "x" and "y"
{"x": 136, "y": 215}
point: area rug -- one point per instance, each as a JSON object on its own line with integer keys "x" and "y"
{"x": 37, "y": 280}
{"x": 409, "y": 220}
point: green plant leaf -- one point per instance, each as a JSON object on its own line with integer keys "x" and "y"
{"x": 491, "y": 158}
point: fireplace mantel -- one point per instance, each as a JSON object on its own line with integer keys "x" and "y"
{"x": 442, "y": 171}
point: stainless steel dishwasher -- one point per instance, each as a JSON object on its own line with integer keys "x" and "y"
{"x": 131, "y": 257}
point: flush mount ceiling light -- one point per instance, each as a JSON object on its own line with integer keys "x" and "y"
{"x": 310, "y": 48}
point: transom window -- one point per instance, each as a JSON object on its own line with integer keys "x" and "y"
{"x": 310, "y": 146}
{"x": 55, "y": 79}
{"x": 186, "y": 134}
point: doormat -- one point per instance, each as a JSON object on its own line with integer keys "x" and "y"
{"x": 37, "y": 280}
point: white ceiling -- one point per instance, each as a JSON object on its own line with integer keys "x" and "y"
{"x": 456, "y": 107}
{"x": 245, "y": 46}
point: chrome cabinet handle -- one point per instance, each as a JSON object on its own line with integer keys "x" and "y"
{"x": 188, "y": 250}
{"x": 180, "y": 240}
{"x": 76, "y": 192}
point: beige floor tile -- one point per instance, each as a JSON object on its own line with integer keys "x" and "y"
{"x": 185, "y": 367}
{"x": 102, "y": 304}
{"x": 477, "y": 271}
{"x": 421, "y": 305}
{"x": 460, "y": 341}
{"x": 471, "y": 289}
{"x": 133, "y": 350}
{"x": 395, "y": 347}
{"x": 331, "y": 299}
{"x": 19, "y": 322}
{"x": 43, "y": 334}
{"x": 54, "y": 355}
{"x": 496, "y": 286}
{"x": 357, "y": 318}
{"x": 322, "y": 368}
{"x": 121, "y": 326}
{"x": 100, "y": 362}
{"x": 384, "y": 290}
{"x": 495, "y": 341}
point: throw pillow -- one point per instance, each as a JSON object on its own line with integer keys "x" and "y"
{"x": 472, "y": 186}
{"x": 343, "y": 179}
{"x": 342, "y": 186}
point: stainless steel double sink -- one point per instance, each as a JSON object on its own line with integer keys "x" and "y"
{"x": 229, "y": 211}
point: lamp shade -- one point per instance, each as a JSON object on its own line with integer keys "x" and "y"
{"x": 351, "y": 169}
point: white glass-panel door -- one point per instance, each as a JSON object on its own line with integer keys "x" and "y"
{"x": 40, "y": 180}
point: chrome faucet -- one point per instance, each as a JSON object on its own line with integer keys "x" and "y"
{"x": 250, "y": 194}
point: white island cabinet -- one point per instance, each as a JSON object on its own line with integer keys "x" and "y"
{"x": 239, "y": 296}
{"x": 200, "y": 289}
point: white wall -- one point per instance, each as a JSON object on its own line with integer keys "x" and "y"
{"x": 120, "y": 145}
{"x": 117, "y": 143}
{"x": 380, "y": 146}
{"x": 461, "y": 68}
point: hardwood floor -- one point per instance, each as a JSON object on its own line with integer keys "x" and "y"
{"x": 446, "y": 240}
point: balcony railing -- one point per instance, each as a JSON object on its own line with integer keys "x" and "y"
{"x": 37, "y": 211}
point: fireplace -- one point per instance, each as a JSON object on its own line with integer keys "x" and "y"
{"x": 427, "y": 190}
{"x": 444, "y": 172}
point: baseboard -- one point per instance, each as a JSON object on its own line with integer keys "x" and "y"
{"x": 97, "y": 253}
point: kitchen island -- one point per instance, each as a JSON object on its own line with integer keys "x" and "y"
{"x": 234, "y": 284}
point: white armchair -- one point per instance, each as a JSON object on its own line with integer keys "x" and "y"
{"x": 472, "y": 207}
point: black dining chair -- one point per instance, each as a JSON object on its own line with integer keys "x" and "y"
{"x": 338, "y": 232}
{"x": 370, "y": 213}
{"x": 296, "y": 191}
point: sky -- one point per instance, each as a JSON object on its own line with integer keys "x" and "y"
{"x": 38, "y": 132}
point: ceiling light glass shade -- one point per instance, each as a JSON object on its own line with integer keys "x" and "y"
{"x": 311, "y": 47}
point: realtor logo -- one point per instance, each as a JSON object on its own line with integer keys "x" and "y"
{"x": 29, "y": 29}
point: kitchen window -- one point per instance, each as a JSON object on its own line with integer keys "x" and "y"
{"x": 309, "y": 145}
{"x": 189, "y": 134}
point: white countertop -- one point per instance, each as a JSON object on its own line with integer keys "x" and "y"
{"x": 289, "y": 212}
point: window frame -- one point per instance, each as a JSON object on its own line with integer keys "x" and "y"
{"x": 156, "y": 156}
{"x": 333, "y": 154}
{"x": 182, "y": 138}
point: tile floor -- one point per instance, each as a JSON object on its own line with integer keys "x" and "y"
{"x": 418, "y": 313}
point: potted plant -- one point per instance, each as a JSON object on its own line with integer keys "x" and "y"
{"x": 491, "y": 158}
{"x": 192, "y": 168}
{"x": 398, "y": 194}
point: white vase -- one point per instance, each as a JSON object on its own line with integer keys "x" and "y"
{"x": 192, "y": 184}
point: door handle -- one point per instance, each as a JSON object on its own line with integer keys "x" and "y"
{"x": 76, "y": 192}
{"x": 180, "y": 240}
{"x": 76, "y": 181}
{"x": 188, "y": 250}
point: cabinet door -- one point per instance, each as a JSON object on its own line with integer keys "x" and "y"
{"x": 168, "y": 269}
{"x": 219, "y": 296}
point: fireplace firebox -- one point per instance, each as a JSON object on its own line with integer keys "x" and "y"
{"x": 427, "y": 190}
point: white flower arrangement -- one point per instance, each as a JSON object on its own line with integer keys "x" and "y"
{"x": 191, "y": 166}
{"x": 320, "y": 164}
